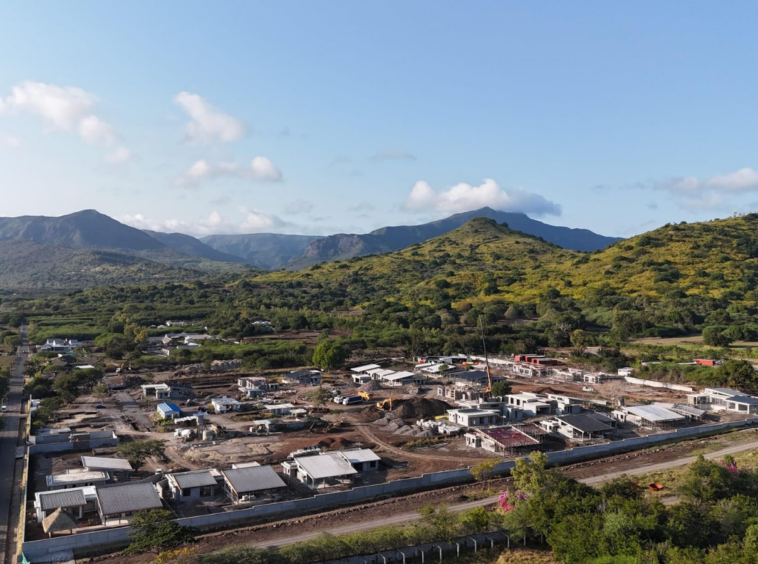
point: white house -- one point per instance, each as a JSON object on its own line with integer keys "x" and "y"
{"x": 168, "y": 411}
{"x": 303, "y": 378}
{"x": 76, "y": 501}
{"x": 578, "y": 427}
{"x": 331, "y": 468}
{"x": 532, "y": 404}
{"x": 473, "y": 416}
{"x": 76, "y": 478}
{"x": 403, "y": 378}
{"x": 724, "y": 399}
{"x": 118, "y": 503}
{"x": 59, "y": 345}
{"x": 196, "y": 484}
{"x": 364, "y": 369}
{"x": 224, "y": 404}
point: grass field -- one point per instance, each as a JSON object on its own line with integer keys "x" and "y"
{"x": 693, "y": 340}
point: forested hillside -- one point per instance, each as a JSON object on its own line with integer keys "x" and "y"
{"x": 25, "y": 265}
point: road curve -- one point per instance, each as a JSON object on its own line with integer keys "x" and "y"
{"x": 402, "y": 518}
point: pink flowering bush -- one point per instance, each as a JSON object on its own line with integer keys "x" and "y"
{"x": 507, "y": 500}
{"x": 730, "y": 464}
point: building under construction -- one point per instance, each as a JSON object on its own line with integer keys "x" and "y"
{"x": 511, "y": 439}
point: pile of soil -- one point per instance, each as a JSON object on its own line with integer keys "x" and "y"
{"x": 371, "y": 413}
{"x": 335, "y": 444}
{"x": 420, "y": 408}
{"x": 370, "y": 386}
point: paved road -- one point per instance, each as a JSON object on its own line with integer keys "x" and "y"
{"x": 409, "y": 517}
{"x": 8, "y": 440}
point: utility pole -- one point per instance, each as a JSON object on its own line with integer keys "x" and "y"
{"x": 486, "y": 358}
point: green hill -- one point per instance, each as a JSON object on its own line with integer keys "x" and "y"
{"x": 714, "y": 259}
{"x": 468, "y": 261}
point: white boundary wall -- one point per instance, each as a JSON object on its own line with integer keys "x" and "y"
{"x": 656, "y": 384}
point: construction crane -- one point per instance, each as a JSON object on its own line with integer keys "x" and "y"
{"x": 486, "y": 358}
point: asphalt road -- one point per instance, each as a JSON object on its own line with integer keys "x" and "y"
{"x": 402, "y": 518}
{"x": 8, "y": 440}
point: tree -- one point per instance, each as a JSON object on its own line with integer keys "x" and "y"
{"x": 475, "y": 520}
{"x": 137, "y": 451}
{"x": 737, "y": 374}
{"x": 67, "y": 387}
{"x": 531, "y": 475}
{"x": 483, "y": 471}
{"x": 329, "y": 354}
{"x": 156, "y": 530}
{"x": 705, "y": 481}
{"x": 581, "y": 339}
{"x": 502, "y": 388}
{"x": 715, "y": 337}
{"x": 319, "y": 396}
{"x": 101, "y": 391}
{"x": 440, "y": 521}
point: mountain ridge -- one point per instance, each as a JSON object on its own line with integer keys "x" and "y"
{"x": 295, "y": 252}
{"x": 393, "y": 238}
{"x": 265, "y": 250}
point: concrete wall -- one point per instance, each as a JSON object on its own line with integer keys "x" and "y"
{"x": 37, "y": 551}
{"x": 69, "y": 446}
{"x": 656, "y": 384}
{"x": 50, "y": 447}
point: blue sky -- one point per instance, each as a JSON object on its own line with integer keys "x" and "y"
{"x": 321, "y": 117}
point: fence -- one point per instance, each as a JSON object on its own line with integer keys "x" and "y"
{"x": 430, "y": 551}
{"x": 39, "y": 551}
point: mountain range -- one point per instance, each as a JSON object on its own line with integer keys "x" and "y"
{"x": 387, "y": 239}
{"x": 264, "y": 250}
{"x": 106, "y": 251}
{"x": 88, "y": 248}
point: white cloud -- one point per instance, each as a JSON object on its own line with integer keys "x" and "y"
{"x": 258, "y": 221}
{"x": 393, "y": 155}
{"x": 96, "y": 132}
{"x": 739, "y": 181}
{"x": 464, "y": 197}
{"x": 263, "y": 169}
{"x": 65, "y": 108}
{"x": 260, "y": 169}
{"x": 10, "y": 141}
{"x": 253, "y": 221}
{"x": 60, "y": 106}
{"x": 208, "y": 123}
{"x": 742, "y": 180}
{"x": 118, "y": 156}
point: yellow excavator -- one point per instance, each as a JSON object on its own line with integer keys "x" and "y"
{"x": 365, "y": 395}
{"x": 385, "y": 404}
